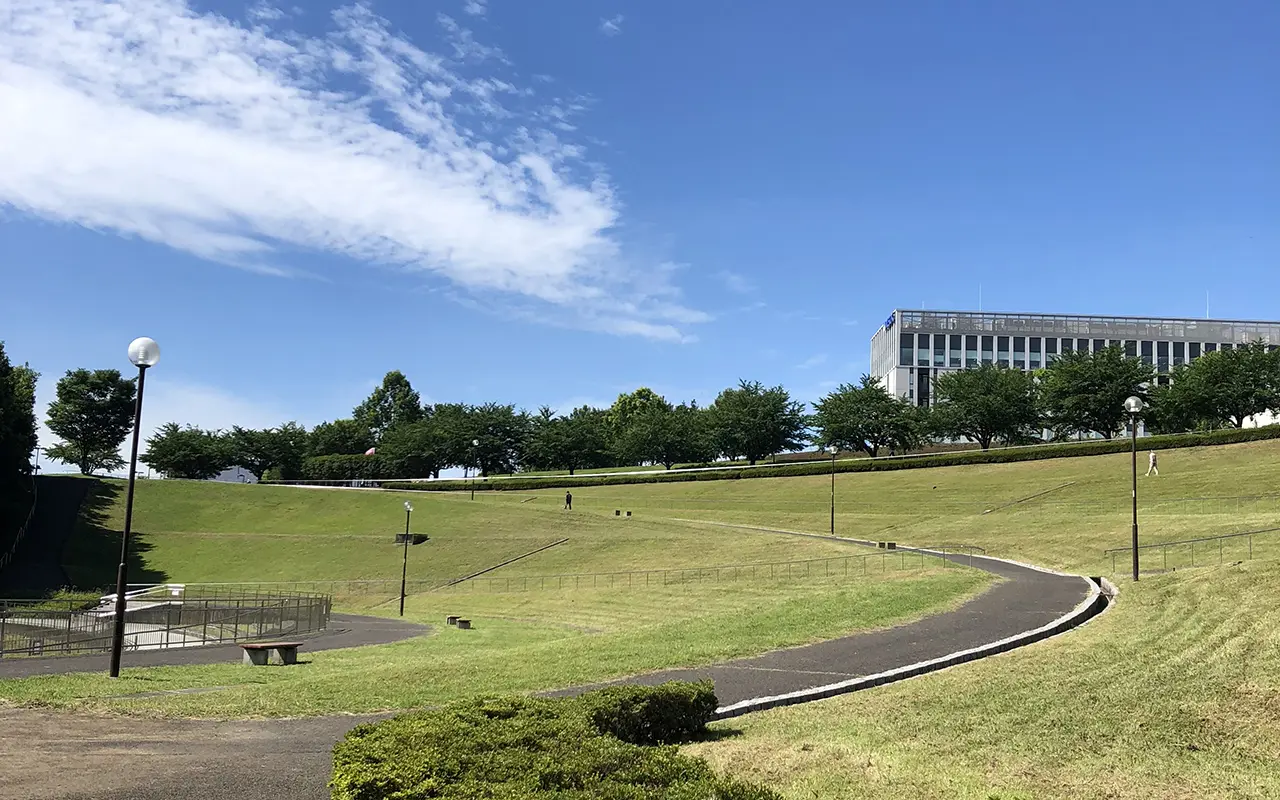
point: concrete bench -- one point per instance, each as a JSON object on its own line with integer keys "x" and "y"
{"x": 259, "y": 653}
{"x": 464, "y": 624}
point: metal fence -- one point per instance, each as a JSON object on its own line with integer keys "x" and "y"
{"x": 159, "y": 617}
{"x": 839, "y": 567}
{"x": 1199, "y": 552}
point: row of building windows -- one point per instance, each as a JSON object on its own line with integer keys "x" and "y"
{"x": 956, "y": 351}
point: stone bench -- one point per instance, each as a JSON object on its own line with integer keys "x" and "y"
{"x": 259, "y": 653}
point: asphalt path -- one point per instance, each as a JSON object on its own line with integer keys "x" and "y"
{"x": 50, "y": 755}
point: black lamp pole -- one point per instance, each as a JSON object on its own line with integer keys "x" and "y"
{"x": 122, "y": 577}
{"x": 1133, "y": 426}
{"x": 404, "y": 567}
{"x": 833, "y": 491}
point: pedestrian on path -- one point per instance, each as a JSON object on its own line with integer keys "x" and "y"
{"x": 568, "y": 501}
{"x": 1152, "y": 469}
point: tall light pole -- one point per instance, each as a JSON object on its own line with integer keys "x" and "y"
{"x": 1134, "y": 406}
{"x": 143, "y": 353}
{"x": 475, "y": 446}
{"x": 834, "y": 450}
{"x": 404, "y": 567}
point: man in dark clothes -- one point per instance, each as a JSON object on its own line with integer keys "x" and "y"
{"x": 568, "y": 501}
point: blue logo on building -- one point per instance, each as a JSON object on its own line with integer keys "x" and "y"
{"x": 888, "y": 323}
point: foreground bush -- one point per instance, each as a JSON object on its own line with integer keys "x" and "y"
{"x": 594, "y": 746}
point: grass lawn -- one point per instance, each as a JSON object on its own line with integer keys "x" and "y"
{"x": 1174, "y": 693}
{"x": 523, "y": 642}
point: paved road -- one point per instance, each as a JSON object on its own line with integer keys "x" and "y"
{"x": 50, "y": 755}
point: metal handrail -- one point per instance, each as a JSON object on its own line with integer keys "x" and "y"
{"x": 1153, "y": 545}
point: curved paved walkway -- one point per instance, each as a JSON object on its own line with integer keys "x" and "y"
{"x": 345, "y": 630}
{"x": 54, "y": 755}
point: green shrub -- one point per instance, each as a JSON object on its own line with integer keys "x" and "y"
{"x": 667, "y": 714}
{"x": 997, "y": 456}
{"x": 346, "y": 468}
{"x": 541, "y": 749}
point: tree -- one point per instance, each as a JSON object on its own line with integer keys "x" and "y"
{"x": 867, "y": 418}
{"x": 1083, "y": 391}
{"x": 629, "y": 406}
{"x": 17, "y": 423}
{"x": 985, "y": 404}
{"x": 187, "y": 452}
{"x": 92, "y": 415}
{"x": 667, "y": 437}
{"x": 283, "y": 449}
{"x": 393, "y": 403}
{"x": 342, "y": 437}
{"x": 754, "y": 422}
{"x": 1229, "y": 386}
{"x": 502, "y": 433}
{"x": 413, "y": 449}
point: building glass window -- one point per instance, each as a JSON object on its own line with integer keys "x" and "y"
{"x": 987, "y": 342}
{"x": 1002, "y": 350}
{"x": 1131, "y": 348}
{"x": 1050, "y": 351}
{"x": 1227, "y": 346}
{"x": 971, "y": 351}
{"x": 1211, "y": 347}
{"x": 1147, "y": 353}
{"x": 922, "y": 350}
{"x": 1179, "y": 353}
{"x": 1099, "y": 345}
{"x": 1082, "y": 345}
{"x": 955, "y": 351}
{"x": 1162, "y": 356}
{"x": 1035, "y": 352}
{"x": 922, "y": 387}
{"x": 1194, "y": 350}
{"x": 1020, "y": 352}
{"x": 939, "y": 350}
{"x": 1068, "y": 346}
{"x": 906, "y": 349}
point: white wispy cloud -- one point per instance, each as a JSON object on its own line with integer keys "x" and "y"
{"x": 476, "y": 8}
{"x": 735, "y": 282}
{"x": 611, "y": 26}
{"x": 813, "y": 361}
{"x": 148, "y": 119}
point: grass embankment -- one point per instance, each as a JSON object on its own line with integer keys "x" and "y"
{"x": 522, "y": 642}
{"x": 1174, "y": 693}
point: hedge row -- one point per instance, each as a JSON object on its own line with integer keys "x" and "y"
{"x": 999, "y": 456}
{"x": 617, "y": 744}
{"x": 346, "y": 468}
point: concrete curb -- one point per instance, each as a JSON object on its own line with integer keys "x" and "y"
{"x": 1100, "y": 593}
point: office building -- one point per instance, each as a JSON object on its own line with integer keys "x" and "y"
{"x": 914, "y": 347}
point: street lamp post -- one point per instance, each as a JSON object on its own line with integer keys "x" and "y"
{"x": 143, "y": 353}
{"x": 834, "y": 450}
{"x": 1134, "y": 406}
{"x": 404, "y": 567}
{"x": 475, "y": 445}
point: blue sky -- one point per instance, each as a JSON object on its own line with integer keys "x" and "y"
{"x": 555, "y": 202}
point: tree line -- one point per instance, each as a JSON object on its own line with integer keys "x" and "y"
{"x": 17, "y": 443}
{"x": 394, "y": 434}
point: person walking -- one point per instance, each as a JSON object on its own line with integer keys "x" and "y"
{"x": 568, "y": 501}
{"x": 1152, "y": 469}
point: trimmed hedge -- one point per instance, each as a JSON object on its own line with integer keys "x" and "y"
{"x": 999, "y": 456}
{"x": 505, "y": 748}
{"x": 347, "y": 468}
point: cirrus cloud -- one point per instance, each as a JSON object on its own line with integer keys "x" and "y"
{"x": 146, "y": 118}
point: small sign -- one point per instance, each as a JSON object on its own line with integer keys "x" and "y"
{"x": 888, "y": 323}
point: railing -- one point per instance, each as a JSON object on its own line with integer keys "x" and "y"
{"x": 7, "y": 557}
{"x": 1206, "y": 548}
{"x": 158, "y": 617}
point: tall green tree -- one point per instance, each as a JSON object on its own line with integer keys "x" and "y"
{"x": 342, "y": 437}
{"x": 1084, "y": 392}
{"x": 282, "y": 450}
{"x": 753, "y": 422}
{"x": 668, "y": 437}
{"x": 866, "y": 418}
{"x": 392, "y": 403}
{"x": 986, "y": 404}
{"x": 17, "y": 423}
{"x": 502, "y": 433}
{"x": 573, "y": 442}
{"x": 628, "y": 407}
{"x": 92, "y": 415}
{"x": 414, "y": 449}
{"x": 187, "y": 452}
{"x": 1230, "y": 386}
